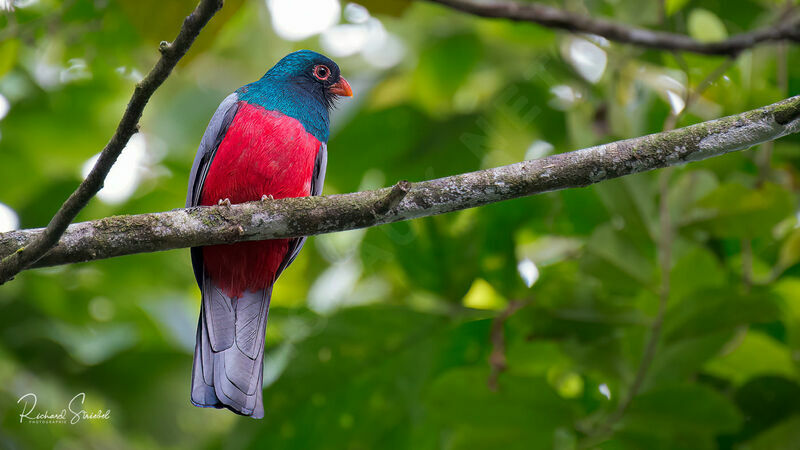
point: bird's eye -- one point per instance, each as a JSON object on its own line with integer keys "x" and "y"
{"x": 322, "y": 72}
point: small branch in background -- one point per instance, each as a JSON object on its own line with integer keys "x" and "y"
{"x": 747, "y": 264}
{"x": 664, "y": 258}
{"x": 551, "y": 17}
{"x": 305, "y": 216}
{"x": 497, "y": 335}
{"x": 171, "y": 53}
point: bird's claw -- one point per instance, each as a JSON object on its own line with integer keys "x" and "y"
{"x": 224, "y": 201}
{"x": 266, "y": 197}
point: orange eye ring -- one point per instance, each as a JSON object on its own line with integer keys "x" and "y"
{"x": 322, "y": 72}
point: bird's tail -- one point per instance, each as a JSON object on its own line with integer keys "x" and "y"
{"x": 228, "y": 356}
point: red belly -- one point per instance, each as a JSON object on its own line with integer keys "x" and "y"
{"x": 263, "y": 153}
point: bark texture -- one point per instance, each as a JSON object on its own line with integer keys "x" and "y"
{"x": 124, "y": 235}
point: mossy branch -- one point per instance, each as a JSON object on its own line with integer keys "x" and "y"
{"x": 268, "y": 219}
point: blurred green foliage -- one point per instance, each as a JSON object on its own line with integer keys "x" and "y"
{"x": 380, "y": 338}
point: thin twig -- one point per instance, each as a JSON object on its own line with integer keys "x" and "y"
{"x": 171, "y": 53}
{"x": 497, "y": 335}
{"x": 552, "y": 17}
{"x": 291, "y": 217}
{"x": 665, "y": 257}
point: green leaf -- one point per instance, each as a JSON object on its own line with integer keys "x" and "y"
{"x": 394, "y": 8}
{"x": 618, "y": 256}
{"x": 698, "y": 269}
{"x": 8, "y": 55}
{"x": 705, "y": 26}
{"x": 673, "y": 6}
{"x": 783, "y": 436}
{"x": 766, "y": 401}
{"x": 790, "y": 251}
{"x": 684, "y": 408}
{"x": 756, "y": 355}
{"x": 677, "y": 361}
{"x": 444, "y": 65}
{"x": 718, "y": 310}
{"x": 461, "y": 396}
{"x": 734, "y": 211}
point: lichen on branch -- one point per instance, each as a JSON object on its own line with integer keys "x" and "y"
{"x": 292, "y": 217}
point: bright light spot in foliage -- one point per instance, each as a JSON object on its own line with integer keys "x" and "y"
{"x": 603, "y": 388}
{"x": 334, "y": 287}
{"x": 528, "y": 271}
{"x": 482, "y": 295}
{"x": 355, "y": 13}
{"x": 676, "y": 102}
{"x": 386, "y": 51}
{"x": 586, "y": 58}
{"x": 4, "y": 106}
{"x": 365, "y": 35}
{"x": 345, "y": 39}
{"x": 126, "y": 173}
{"x": 294, "y": 20}
{"x": 565, "y": 97}
{"x": 77, "y": 70}
{"x": 9, "y": 220}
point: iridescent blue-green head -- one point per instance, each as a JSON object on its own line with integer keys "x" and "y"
{"x": 304, "y": 85}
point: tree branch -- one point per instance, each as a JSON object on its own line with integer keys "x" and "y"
{"x": 551, "y": 17}
{"x": 291, "y": 217}
{"x": 171, "y": 53}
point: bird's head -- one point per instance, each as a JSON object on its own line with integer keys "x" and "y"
{"x": 316, "y": 74}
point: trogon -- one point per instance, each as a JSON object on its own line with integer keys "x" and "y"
{"x": 266, "y": 140}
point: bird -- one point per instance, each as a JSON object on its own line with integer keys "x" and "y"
{"x": 266, "y": 140}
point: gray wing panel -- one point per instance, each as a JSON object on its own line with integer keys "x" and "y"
{"x": 317, "y": 180}
{"x": 215, "y": 132}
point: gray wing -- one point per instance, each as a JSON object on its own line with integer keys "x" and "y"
{"x": 317, "y": 180}
{"x": 213, "y": 136}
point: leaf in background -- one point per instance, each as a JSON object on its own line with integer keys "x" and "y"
{"x": 680, "y": 409}
{"x": 790, "y": 251}
{"x": 461, "y": 397}
{"x": 689, "y": 187}
{"x": 698, "y": 269}
{"x": 618, "y": 257}
{"x": 718, "y": 310}
{"x": 734, "y": 211}
{"x": 756, "y": 355}
{"x": 394, "y": 8}
{"x": 783, "y": 436}
{"x": 673, "y": 6}
{"x": 8, "y": 55}
{"x": 162, "y": 26}
{"x": 705, "y": 26}
{"x": 482, "y": 295}
{"x": 679, "y": 360}
{"x": 444, "y": 65}
{"x": 766, "y": 401}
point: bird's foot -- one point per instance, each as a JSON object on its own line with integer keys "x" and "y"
{"x": 266, "y": 197}
{"x": 224, "y": 201}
